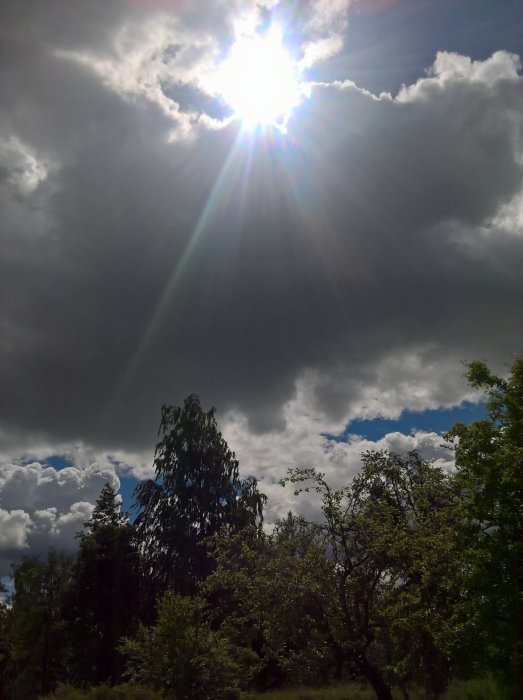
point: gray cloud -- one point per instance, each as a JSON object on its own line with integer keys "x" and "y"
{"x": 352, "y": 262}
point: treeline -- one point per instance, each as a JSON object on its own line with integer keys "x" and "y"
{"x": 411, "y": 577}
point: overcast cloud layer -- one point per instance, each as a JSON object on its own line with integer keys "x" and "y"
{"x": 150, "y": 249}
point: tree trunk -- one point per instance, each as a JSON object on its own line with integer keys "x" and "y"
{"x": 375, "y": 677}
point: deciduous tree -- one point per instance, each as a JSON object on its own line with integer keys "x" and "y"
{"x": 181, "y": 655}
{"x": 489, "y": 463}
{"x": 388, "y": 535}
{"x": 197, "y": 492}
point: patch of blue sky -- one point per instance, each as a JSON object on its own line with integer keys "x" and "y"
{"x": 436, "y": 420}
{"x": 8, "y": 588}
{"x": 58, "y": 461}
{"x": 127, "y": 486}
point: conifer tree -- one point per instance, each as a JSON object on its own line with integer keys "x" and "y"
{"x": 105, "y": 594}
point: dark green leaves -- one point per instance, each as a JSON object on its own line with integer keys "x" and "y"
{"x": 197, "y": 492}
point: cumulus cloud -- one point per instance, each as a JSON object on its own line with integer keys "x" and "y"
{"x": 13, "y": 529}
{"x": 346, "y": 267}
{"x": 42, "y": 507}
{"x": 326, "y": 26}
{"x": 308, "y": 441}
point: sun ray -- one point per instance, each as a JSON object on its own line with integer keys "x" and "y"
{"x": 167, "y": 295}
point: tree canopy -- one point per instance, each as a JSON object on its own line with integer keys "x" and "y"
{"x": 489, "y": 464}
{"x": 197, "y": 491}
{"x": 410, "y": 579}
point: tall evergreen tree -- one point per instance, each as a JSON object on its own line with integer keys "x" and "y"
{"x": 197, "y": 491}
{"x": 105, "y": 594}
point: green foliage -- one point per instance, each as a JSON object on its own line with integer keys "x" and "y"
{"x": 389, "y": 537}
{"x": 268, "y": 596}
{"x": 411, "y": 578}
{"x": 410, "y": 516}
{"x": 369, "y": 591}
{"x": 106, "y": 511}
{"x": 182, "y": 655}
{"x": 35, "y": 626}
{"x": 104, "y": 692}
{"x": 103, "y": 600}
{"x": 489, "y": 462}
{"x": 197, "y": 492}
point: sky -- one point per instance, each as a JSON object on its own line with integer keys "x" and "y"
{"x": 318, "y": 269}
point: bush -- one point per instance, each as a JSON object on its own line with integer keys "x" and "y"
{"x": 182, "y": 655}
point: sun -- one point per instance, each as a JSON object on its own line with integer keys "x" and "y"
{"x": 260, "y": 80}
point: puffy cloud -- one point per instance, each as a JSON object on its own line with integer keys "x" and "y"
{"x": 35, "y": 486}
{"x": 13, "y": 529}
{"x": 346, "y": 267}
{"x": 304, "y": 443}
{"x": 42, "y": 507}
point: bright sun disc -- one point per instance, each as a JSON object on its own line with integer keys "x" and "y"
{"x": 259, "y": 80}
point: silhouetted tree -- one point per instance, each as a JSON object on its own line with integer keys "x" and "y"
{"x": 35, "y": 626}
{"x": 104, "y": 601}
{"x": 197, "y": 492}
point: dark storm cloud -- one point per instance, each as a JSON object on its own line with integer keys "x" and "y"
{"x": 367, "y": 250}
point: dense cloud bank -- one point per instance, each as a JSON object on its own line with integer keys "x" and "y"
{"x": 150, "y": 250}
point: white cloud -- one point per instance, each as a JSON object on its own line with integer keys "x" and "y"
{"x": 35, "y": 486}
{"x": 451, "y": 66}
{"x": 47, "y": 506}
{"x": 303, "y": 443}
{"x": 320, "y": 50}
{"x": 13, "y": 530}
{"x": 149, "y": 57}
{"x": 328, "y": 16}
{"x": 50, "y": 528}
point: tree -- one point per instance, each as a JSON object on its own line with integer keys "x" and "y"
{"x": 389, "y": 539}
{"x": 412, "y": 520}
{"x": 196, "y": 492}
{"x": 103, "y": 604}
{"x": 489, "y": 464}
{"x": 269, "y": 595}
{"x": 106, "y": 511}
{"x": 4, "y": 643}
{"x": 35, "y": 626}
{"x": 181, "y": 655}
